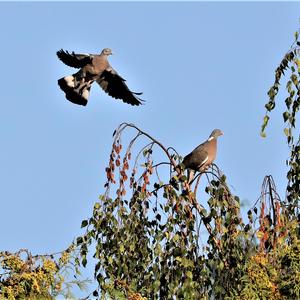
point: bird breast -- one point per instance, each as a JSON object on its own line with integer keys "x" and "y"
{"x": 98, "y": 65}
{"x": 212, "y": 150}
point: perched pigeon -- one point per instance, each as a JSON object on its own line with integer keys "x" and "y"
{"x": 93, "y": 67}
{"x": 202, "y": 156}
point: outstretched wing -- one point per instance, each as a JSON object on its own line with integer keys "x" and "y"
{"x": 115, "y": 86}
{"x": 74, "y": 60}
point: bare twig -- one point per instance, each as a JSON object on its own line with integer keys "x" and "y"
{"x": 152, "y": 139}
{"x": 197, "y": 183}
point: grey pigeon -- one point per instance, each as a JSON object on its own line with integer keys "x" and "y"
{"x": 202, "y": 156}
{"x": 93, "y": 67}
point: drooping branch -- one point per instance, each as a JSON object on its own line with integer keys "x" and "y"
{"x": 141, "y": 132}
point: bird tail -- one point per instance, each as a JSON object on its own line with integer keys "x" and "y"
{"x": 77, "y": 90}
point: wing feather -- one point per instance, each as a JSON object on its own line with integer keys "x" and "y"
{"x": 114, "y": 85}
{"x": 74, "y": 60}
{"x": 196, "y": 159}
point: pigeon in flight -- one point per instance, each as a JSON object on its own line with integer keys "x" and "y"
{"x": 93, "y": 67}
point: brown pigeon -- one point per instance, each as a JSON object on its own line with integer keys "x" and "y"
{"x": 202, "y": 156}
{"x": 93, "y": 67}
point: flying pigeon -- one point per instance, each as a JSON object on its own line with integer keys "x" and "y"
{"x": 202, "y": 156}
{"x": 93, "y": 67}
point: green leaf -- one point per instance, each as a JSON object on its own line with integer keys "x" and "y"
{"x": 110, "y": 260}
{"x": 263, "y": 134}
{"x": 178, "y": 258}
{"x": 187, "y": 263}
{"x": 176, "y": 237}
{"x": 158, "y": 250}
{"x": 223, "y": 179}
{"x": 84, "y": 223}
{"x": 266, "y": 119}
{"x": 79, "y": 240}
{"x": 189, "y": 274}
{"x": 294, "y": 79}
{"x": 264, "y": 125}
{"x": 286, "y": 116}
{"x": 145, "y": 152}
{"x": 84, "y": 261}
{"x": 156, "y": 185}
{"x": 287, "y": 131}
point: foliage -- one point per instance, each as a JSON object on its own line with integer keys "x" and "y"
{"x": 272, "y": 275}
{"x": 273, "y": 271}
{"x": 149, "y": 225}
{"x": 149, "y": 244}
{"x": 151, "y": 241}
{"x": 24, "y": 276}
{"x": 291, "y": 65}
{"x": 153, "y": 235}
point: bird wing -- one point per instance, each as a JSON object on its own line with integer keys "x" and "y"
{"x": 74, "y": 60}
{"x": 196, "y": 158}
{"x": 114, "y": 85}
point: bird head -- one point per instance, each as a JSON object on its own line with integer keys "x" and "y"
{"x": 107, "y": 51}
{"x": 216, "y": 133}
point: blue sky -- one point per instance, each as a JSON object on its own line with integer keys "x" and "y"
{"x": 200, "y": 65}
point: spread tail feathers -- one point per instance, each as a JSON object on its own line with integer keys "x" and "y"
{"x": 76, "y": 91}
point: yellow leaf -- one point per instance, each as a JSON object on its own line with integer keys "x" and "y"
{"x": 176, "y": 238}
{"x": 178, "y": 258}
{"x": 287, "y": 131}
{"x": 259, "y": 234}
{"x": 263, "y": 134}
{"x": 189, "y": 274}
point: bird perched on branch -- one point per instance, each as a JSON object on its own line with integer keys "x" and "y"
{"x": 202, "y": 156}
{"x": 93, "y": 67}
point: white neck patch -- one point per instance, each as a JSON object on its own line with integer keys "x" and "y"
{"x": 211, "y": 138}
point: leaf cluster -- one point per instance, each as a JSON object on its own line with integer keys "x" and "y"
{"x": 27, "y": 276}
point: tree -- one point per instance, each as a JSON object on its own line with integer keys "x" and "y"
{"x": 148, "y": 232}
{"x": 291, "y": 65}
{"x": 27, "y": 276}
{"x": 153, "y": 239}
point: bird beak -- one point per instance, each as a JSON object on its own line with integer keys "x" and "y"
{"x": 222, "y": 133}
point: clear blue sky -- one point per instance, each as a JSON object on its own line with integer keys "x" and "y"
{"x": 200, "y": 65}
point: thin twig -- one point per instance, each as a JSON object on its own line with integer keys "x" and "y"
{"x": 154, "y": 140}
{"x": 161, "y": 163}
{"x": 162, "y": 186}
{"x": 197, "y": 184}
